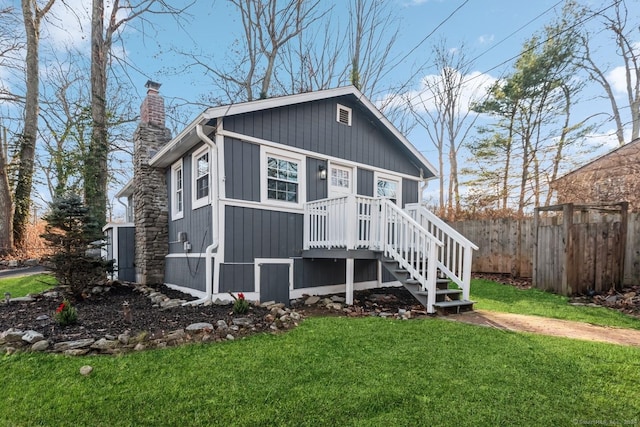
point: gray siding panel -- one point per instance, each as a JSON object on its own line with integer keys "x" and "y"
{"x": 312, "y": 126}
{"x": 197, "y": 225}
{"x": 242, "y": 170}
{"x": 237, "y": 278}
{"x": 316, "y": 187}
{"x": 187, "y": 272}
{"x": 256, "y": 233}
{"x": 365, "y": 182}
{"x": 409, "y": 191}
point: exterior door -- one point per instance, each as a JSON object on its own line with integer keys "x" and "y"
{"x": 274, "y": 279}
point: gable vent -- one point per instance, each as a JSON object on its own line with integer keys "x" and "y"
{"x": 344, "y": 115}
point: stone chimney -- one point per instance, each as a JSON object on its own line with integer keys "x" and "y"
{"x": 150, "y": 195}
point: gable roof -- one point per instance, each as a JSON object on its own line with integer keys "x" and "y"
{"x": 187, "y": 139}
{"x": 593, "y": 164}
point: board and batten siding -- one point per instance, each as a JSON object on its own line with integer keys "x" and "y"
{"x": 186, "y": 272}
{"x": 195, "y": 222}
{"x": 242, "y": 170}
{"x": 312, "y": 126}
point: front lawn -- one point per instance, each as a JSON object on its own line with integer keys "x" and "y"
{"x": 336, "y": 371}
{"x": 509, "y": 299}
{"x": 24, "y": 285}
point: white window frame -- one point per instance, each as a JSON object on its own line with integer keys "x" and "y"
{"x": 265, "y": 153}
{"x": 203, "y": 201}
{"x": 349, "y": 114}
{"x": 175, "y": 213}
{"x": 338, "y": 190}
{"x": 378, "y": 176}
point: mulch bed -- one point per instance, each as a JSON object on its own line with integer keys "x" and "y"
{"x": 102, "y": 314}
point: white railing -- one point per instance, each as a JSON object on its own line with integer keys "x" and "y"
{"x": 456, "y": 254}
{"x": 359, "y": 222}
{"x": 342, "y": 223}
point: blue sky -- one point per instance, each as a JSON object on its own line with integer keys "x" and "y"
{"x": 492, "y": 31}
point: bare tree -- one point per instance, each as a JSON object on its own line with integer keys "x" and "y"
{"x": 33, "y": 15}
{"x": 615, "y": 22}
{"x": 446, "y": 115}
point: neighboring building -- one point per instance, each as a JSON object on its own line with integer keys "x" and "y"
{"x": 287, "y": 196}
{"x": 614, "y": 177}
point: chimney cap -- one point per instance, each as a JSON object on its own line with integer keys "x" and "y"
{"x": 152, "y": 85}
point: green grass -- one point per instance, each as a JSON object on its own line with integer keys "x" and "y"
{"x": 336, "y": 371}
{"x": 24, "y": 285}
{"x": 509, "y": 299}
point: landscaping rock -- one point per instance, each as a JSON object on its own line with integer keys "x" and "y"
{"x": 338, "y": 298}
{"x": 230, "y": 337}
{"x": 124, "y": 338}
{"x": 104, "y": 344}
{"x": 40, "y": 345}
{"x": 86, "y": 370}
{"x": 312, "y": 300}
{"x": 42, "y": 318}
{"x": 10, "y": 350}
{"x": 12, "y": 335}
{"x": 199, "y": 327}
{"x": 221, "y": 324}
{"x": 23, "y": 299}
{"x": 65, "y": 346}
{"x": 139, "y": 347}
{"x": 176, "y": 335}
{"x": 32, "y": 337}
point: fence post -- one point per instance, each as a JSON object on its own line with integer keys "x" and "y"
{"x": 568, "y": 267}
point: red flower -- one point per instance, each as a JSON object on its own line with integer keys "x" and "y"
{"x": 240, "y": 295}
{"x": 60, "y": 308}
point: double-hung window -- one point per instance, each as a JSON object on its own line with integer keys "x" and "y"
{"x": 177, "y": 190}
{"x": 201, "y": 173}
{"x": 282, "y": 178}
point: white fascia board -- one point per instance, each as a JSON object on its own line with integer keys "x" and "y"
{"x": 179, "y": 145}
{"x": 126, "y": 191}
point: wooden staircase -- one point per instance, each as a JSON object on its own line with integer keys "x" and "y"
{"x": 448, "y": 299}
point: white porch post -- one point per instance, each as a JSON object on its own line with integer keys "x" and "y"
{"x": 351, "y": 222}
{"x": 349, "y": 284}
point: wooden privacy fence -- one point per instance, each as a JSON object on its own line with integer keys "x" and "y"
{"x": 505, "y": 245}
{"x": 505, "y": 250}
{"x": 579, "y": 248}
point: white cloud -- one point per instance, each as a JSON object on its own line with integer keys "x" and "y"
{"x": 486, "y": 38}
{"x": 474, "y": 88}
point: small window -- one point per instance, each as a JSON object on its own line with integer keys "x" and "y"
{"x": 388, "y": 188}
{"x": 201, "y": 168}
{"x": 344, "y": 115}
{"x": 177, "y": 191}
{"x": 282, "y": 179}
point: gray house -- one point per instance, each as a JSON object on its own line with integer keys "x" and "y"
{"x": 312, "y": 193}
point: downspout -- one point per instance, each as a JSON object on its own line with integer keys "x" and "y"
{"x": 214, "y": 224}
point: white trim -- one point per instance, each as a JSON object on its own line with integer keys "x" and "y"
{"x": 314, "y": 154}
{"x": 256, "y": 270}
{"x": 189, "y": 291}
{"x": 339, "y": 108}
{"x": 336, "y": 289}
{"x": 175, "y": 213}
{"x": 388, "y": 177}
{"x": 259, "y": 205}
{"x": 203, "y": 201}
{"x": 186, "y": 255}
{"x": 287, "y": 155}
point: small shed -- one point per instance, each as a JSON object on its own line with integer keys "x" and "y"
{"x": 579, "y": 249}
{"x": 610, "y": 178}
{"x": 120, "y": 247}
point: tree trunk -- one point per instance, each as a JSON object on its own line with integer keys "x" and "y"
{"x": 22, "y": 196}
{"x": 95, "y": 169}
{"x": 6, "y": 203}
